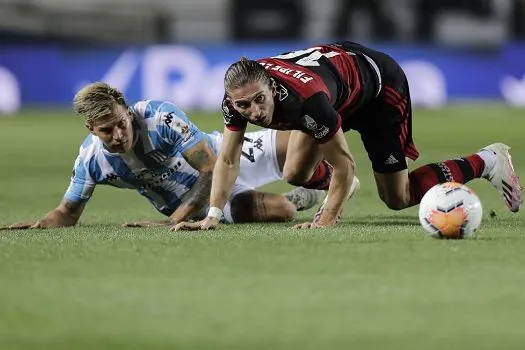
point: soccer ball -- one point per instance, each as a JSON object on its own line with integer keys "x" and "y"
{"x": 450, "y": 210}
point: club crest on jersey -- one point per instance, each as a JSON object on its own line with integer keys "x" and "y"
{"x": 309, "y": 122}
{"x": 226, "y": 112}
{"x": 282, "y": 92}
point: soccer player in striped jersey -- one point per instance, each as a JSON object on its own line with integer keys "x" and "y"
{"x": 152, "y": 147}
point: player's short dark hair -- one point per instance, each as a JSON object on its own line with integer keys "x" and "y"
{"x": 243, "y": 72}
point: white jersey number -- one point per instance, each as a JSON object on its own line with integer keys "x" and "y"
{"x": 311, "y": 56}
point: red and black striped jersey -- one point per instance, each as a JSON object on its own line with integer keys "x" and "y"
{"x": 316, "y": 87}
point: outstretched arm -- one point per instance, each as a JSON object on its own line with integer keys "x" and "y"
{"x": 66, "y": 214}
{"x": 202, "y": 158}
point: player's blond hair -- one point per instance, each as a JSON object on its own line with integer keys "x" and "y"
{"x": 95, "y": 101}
{"x": 243, "y": 72}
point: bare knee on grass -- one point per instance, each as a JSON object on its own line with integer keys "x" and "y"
{"x": 394, "y": 189}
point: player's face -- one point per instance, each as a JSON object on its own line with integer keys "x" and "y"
{"x": 254, "y": 101}
{"x": 116, "y": 131}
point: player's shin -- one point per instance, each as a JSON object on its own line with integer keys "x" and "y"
{"x": 460, "y": 170}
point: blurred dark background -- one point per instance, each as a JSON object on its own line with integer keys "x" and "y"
{"x": 448, "y": 22}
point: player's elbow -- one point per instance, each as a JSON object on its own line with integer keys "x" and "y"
{"x": 229, "y": 162}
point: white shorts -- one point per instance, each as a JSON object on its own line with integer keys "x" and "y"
{"x": 259, "y": 165}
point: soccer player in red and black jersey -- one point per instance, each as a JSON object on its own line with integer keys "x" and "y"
{"x": 322, "y": 92}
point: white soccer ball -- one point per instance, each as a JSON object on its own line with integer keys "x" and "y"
{"x": 450, "y": 210}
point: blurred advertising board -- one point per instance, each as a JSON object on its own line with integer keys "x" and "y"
{"x": 191, "y": 76}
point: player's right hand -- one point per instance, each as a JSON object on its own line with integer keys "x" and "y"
{"x": 208, "y": 223}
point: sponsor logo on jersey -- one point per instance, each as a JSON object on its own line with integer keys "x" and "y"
{"x": 168, "y": 119}
{"x": 282, "y": 92}
{"x": 156, "y": 178}
{"x": 258, "y": 144}
{"x": 146, "y": 174}
{"x": 112, "y": 176}
{"x": 321, "y": 132}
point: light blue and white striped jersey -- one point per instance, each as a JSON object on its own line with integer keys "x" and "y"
{"x": 154, "y": 166}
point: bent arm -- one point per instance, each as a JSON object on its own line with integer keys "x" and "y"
{"x": 202, "y": 158}
{"x": 336, "y": 152}
{"x": 66, "y": 214}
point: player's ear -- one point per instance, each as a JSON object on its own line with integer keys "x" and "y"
{"x": 273, "y": 87}
{"x": 90, "y": 127}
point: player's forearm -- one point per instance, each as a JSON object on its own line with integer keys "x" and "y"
{"x": 336, "y": 152}
{"x": 224, "y": 176}
{"x": 339, "y": 189}
{"x": 196, "y": 199}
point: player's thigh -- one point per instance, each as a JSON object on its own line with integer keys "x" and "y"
{"x": 387, "y": 151}
{"x": 256, "y": 206}
{"x": 259, "y": 163}
{"x": 386, "y": 129}
{"x": 302, "y": 157}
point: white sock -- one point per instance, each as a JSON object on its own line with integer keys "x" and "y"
{"x": 489, "y": 158}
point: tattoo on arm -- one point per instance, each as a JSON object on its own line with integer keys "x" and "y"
{"x": 202, "y": 160}
{"x": 72, "y": 206}
{"x": 74, "y": 209}
{"x": 199, "y": 195}
{"x": 198, "y": 159}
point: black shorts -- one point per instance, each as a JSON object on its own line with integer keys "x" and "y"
{"x": 384, "y": 120}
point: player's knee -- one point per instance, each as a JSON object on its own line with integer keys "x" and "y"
{"x": 396, "y": 200}
{"x": 295, "y": 177}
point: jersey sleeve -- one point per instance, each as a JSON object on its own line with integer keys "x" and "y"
{"x": 175, "y": 127}
{"x": 81, "y": 185}
{"x": 233, "y": 120}
{"x": 319, "y": 118}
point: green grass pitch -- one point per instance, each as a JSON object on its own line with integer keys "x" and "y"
{"x": 374, "y": 282}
